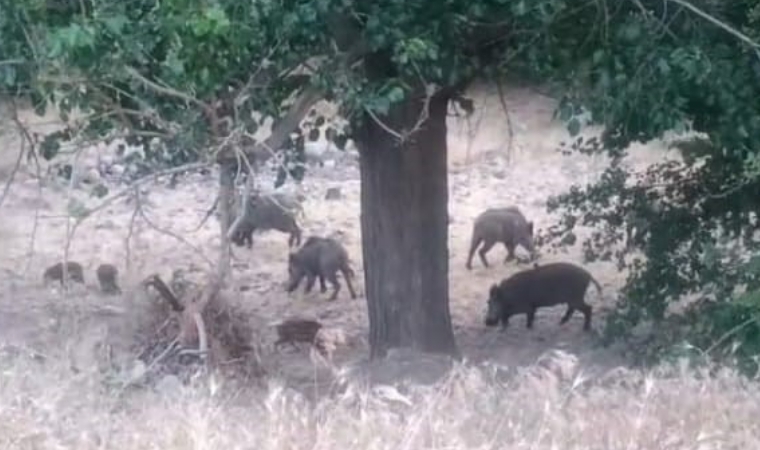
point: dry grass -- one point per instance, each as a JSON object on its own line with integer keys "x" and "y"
{"x": 549, "y": 405}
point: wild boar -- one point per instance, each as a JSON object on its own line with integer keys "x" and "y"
{"x": 505, "y": 225}
{"x": 321, "y": 258}
{"x": 542, "y": 286}
{"x": 269, "y": 212}
{"x": 107, "y": 278}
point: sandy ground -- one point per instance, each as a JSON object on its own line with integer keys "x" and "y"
{"x": 489, "y": 166}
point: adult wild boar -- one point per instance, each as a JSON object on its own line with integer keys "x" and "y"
{"x": 269, "y": 212}
{"x": 505, "y": 225}
{"x": 546, "y": 285}
{"x": 321, "y": 258}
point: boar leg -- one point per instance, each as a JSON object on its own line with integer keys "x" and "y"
{"x": 473, "y": 246}
{"x": 586, "y": 310}
{"x": 298, "y": 235}
{"x": 568, "y": 313}
{"x": 531, "y": 317}
{"x": 346, "y": 277}
{"x": 487, "y": 246}
{"x": 504, "y": 323}
{"x": 248, "y": 239}
{"x": 310, "y": 279}
{"x": 294, "y": 282}
{"x": 510, "y": 252}
{"x": 322, "y": 285}
{"x": 333, "y": 277}
{"x": 295, "y": 237}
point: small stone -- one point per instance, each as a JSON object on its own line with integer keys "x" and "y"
{"x": 333, "y": 193}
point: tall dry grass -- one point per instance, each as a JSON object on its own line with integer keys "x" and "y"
{"x": 550, "y": 405}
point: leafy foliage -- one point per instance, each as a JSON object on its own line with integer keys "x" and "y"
{"x": 700, "y": 213}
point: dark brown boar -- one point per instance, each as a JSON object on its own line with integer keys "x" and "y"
{"x": 546, "y": 285}
{"x": 321, "y": 258}
{"x": 55, "y": 272}
{"x": 505, "y": 225}
{"x": 269, "y": 212}
{"x": 108, "y": 278}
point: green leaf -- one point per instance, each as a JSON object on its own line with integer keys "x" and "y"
{"x": 631, "y": 31}
{"x": 9, "y": 75}
{"x": 598, "y": 56}
{"x": 115, "y": 24}
{"x": 663, "y": 66}
{"x": 381, "y": 105}
{"x": 519, "y": 8}
{"x": 395, "y": 94}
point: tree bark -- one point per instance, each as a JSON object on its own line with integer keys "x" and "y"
{"x": 404, "y": 220}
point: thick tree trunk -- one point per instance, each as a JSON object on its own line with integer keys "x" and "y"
{"x": 404, "y": 219}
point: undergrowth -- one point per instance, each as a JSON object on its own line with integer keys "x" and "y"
{"x": 550, "y": 405}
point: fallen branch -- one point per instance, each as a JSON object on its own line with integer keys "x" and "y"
{"x": 202, "y": 338}
{"x": 164, "y": 291}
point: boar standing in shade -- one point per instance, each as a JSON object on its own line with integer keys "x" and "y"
{"x": 542, "y": 286}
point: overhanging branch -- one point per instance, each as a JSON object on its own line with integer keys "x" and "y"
{"x": 298, "y": 110}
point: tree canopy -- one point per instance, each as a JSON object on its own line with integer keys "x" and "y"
{"x": 184, "y": 75}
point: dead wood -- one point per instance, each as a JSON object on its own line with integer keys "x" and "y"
{"x": 164, "y": 291}
{"x": 205, "y": 327}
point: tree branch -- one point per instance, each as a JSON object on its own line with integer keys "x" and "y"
{"x": 305, "y": 101}
{"x": 167, "y": 90}
{"x": 736, "y": 33}
{"x": 280, "y": 130}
